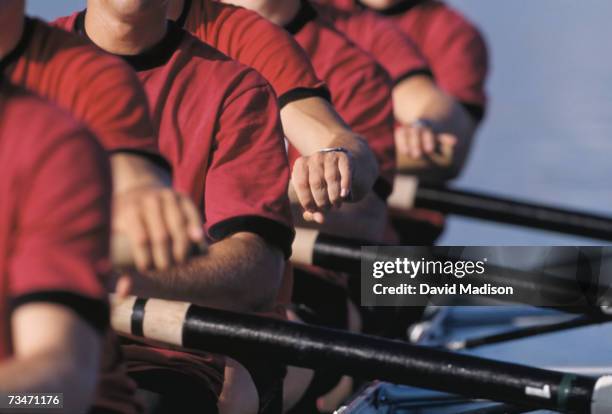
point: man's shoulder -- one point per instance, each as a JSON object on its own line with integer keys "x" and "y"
{"x": 216, "y": 68}
{"x": 73, "y": 55}
{"x": 340, "y": 53}
{"x": 66, "y": 22}
{"x": 19, "y": 105}
{"x": 32, "y": 125}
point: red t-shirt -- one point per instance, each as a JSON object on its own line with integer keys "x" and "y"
{"x": 97, "y": 89}
{"x": 391, "y": 48}
{"x": 55, "y": 193}
{"x": 219, "y": 127}
{"x": 360, "y": 88}
{"x": 454, "y": 48}
{"x": 250, "y": 39}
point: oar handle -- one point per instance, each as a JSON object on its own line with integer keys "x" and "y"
{"x": 239, "y": 335}
{"x": 121, "y": 253}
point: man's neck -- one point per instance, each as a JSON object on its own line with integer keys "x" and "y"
{"x": 12, "y": 18}
{"x": 279, "y": 12}
{"x": 124, "y": 34}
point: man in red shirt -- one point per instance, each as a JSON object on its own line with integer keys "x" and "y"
{"x": 310, "y": 123}
{"x": 219, "y": 127}
{"x": 103, "y": 93}
{"x": 457, "y": 55}
{"x": 361, "y": 92}
{"x": 55, "y": 192}
{"x": 431, "y": 124}
{"x": 454, "y": 48}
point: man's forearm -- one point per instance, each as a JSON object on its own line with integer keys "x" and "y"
{"x": 131, "y": 171}
{"x": 367, "y": 173}
{"x": 312, "y": 124}
{"x": 240, "y": 273}
{"x": 54, "y": 352}
{"x": 52, "y": 372}
{"x": 419, "y": 98}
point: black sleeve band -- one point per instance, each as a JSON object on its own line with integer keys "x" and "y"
{"x": 303, "y": 93}
{"x": 273, "y": 232}
{"x": 95, "y": 312}
{"x": 382, "y": 188}
{"x": 156, "y": 159}
{"x": 475, "y": 110}
{"x": 415, "y": 72}
{"x": 138, "y": 314}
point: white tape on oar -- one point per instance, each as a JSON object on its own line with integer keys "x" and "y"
{"x": 215, "y": 330}
{"x": 404, "y": 192}
{"x": 162, "y": 320}
{"x": 602, "y": 396}
{"x": 121, "y": 315}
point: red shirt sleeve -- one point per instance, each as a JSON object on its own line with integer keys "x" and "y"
{"x": 363, "y": 99}
{"x": 253, "y": 41}
{"x": 455, "y": 49}
{"x": 248, "y": 176}
{"x": 361, "y": 90}
{"x": 391, "y": 48}
{"x": 96, "y": 88}
{"x": 61, "y": 244}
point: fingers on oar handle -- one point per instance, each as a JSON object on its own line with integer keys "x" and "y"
{"x": 122, "y": 257}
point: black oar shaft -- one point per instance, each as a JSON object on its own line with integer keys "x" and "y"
{"x": 503, "y": 210}
{"x": 312, "y": 347}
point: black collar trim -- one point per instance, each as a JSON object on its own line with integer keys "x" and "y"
{"x": 152, "y": 58}
{"x": 29, "y": 26}
{"x": 400, "y": 8}
{"x": 184, "y": 14}
{"x": 305, "y": 15}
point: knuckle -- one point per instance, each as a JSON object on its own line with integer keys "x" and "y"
{"x": 161, "y": 237}
{"x": 332, "y": 175}
{"x": 150, "y": 200}
{"x": 317, "y": 158}
{"x": 317, "y": 184}
{"x": 302, "y": 185}
{"x": 171, "y": 195}
{"x": 140, "y": 238}
{"x": 299, "y": 164}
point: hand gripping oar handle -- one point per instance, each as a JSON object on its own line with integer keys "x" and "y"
{"x": 504, "y": 210}
{"x": 122, "y": 256}
{"x": 239, "y": 335}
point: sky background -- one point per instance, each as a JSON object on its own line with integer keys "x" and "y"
{"x": 547, "y": 137}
